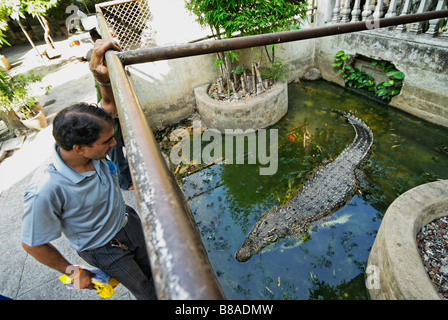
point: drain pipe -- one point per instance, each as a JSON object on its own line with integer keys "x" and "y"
{"x": 179, "y": 261}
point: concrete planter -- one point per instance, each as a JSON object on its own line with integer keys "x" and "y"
{"x": 395, "y": 270}
{"x": 255, "y": 113}
{"x": 39, "y": 121}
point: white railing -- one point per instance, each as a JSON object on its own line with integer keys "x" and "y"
{"x": 346, "y": 11}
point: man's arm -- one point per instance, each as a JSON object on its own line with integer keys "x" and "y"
{"x": 48, "y": 255}
{"x": 101, "y": 73}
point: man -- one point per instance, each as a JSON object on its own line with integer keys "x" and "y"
{"x": 79, "y": 195}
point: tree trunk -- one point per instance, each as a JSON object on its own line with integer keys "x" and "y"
{"x": 29, "y": 39}
{"x": 45, "y": 25}
{"x": 11, "y": 120}
{"x": 243, "y": 84}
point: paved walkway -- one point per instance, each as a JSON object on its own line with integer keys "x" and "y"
{"x": 21, "y": 276}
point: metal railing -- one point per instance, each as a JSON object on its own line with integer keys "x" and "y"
{"x": 178, "y": 258}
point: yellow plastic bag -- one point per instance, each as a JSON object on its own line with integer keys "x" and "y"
{"x": 102, "y": 282}
{"x": 105, "y": 290}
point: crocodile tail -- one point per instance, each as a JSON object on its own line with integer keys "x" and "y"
{"x": 363, "y": 140}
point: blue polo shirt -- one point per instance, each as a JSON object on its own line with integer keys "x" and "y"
{"x": 87, "y": 207}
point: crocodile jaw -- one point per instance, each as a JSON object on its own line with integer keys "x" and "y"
{"x": 264, "y": 233}
{"x": 243, "y": 254}
{"x": 248, "y": 249}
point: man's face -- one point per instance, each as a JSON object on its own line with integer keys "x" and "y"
{"x": 100, "y": 148}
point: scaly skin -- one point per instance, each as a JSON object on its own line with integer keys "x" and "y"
{"x": 329, "y": 189}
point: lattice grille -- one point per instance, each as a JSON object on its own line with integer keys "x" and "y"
{"x": 127, "y": 20}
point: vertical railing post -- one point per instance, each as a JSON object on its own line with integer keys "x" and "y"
{"x": 379, "y": 13}
{"x": 392, "y": 11}
{"x": 346, "y": 12}
{"x": 336, "y": 12}
{"x": 367, "y": 12}
{"x": 356, "y": 11}
{"x": 434, "y": 24}
{"x": 405, "y": 11}
{"x": 416, "y": 27}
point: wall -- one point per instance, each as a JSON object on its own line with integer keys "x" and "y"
{"x": 165, "y": 88}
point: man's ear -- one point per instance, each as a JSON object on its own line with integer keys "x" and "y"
{"x": 79, "y": 149}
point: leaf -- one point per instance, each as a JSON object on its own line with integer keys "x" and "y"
{"x": 387, "y": 69}
{"x": 374, "y": 63}
{"x": 388, "y": 83}
{"x": 396, "y": 74}
{"x": 337, "y": 64}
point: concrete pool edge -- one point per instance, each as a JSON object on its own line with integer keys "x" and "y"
{"x": 394, "y": 267}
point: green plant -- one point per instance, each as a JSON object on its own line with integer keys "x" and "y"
{"x": 354, "y": 78}
{"x": 388, "y": 89}
{"x": 275, "y": 72}
{"x": 16, "y": 93}
{"x": 247, "y": 17}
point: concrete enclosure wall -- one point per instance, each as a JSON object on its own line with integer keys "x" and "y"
{"x": 165, "y": 88}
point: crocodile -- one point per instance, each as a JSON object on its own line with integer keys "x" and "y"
{"x": 330, "y": 188}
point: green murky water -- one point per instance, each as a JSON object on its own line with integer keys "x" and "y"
{"x": 328, "y": 260}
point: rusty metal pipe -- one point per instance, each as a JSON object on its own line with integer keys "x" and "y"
{"x": 179, "y": 261}
{"x": 212, "y": 46}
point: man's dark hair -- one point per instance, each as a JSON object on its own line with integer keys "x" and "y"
{"x": 79, "y": 124}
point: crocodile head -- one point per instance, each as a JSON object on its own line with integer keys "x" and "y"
{"x": 267, "y": 230}
{"x": 258, "y": 239}
{"x": 247, "y": 250}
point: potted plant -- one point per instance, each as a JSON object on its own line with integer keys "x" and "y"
{"x": 18, "y": 95}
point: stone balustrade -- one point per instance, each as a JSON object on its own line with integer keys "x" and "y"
{"x": 346, "y": 11}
